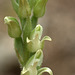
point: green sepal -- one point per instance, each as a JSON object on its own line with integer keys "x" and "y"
{"x": 45, "y": 69}
{"x": 46, "y": 38}
{"x": 15, "y": 5}
{"x": 39, "y": 9}
{"x": 14, "y": 30}
{"x": 18, "y": 44}
{"x": 27, "y": 29}
{"x": 33, "y": 45}
{"x": 24, "y": 9}
{"x": 43, "y": 40}
{"x": 31, "y": 66}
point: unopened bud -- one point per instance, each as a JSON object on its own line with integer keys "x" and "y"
{"x": 24, "y": 9}
{"x": 39, "y": 9}
{"x": 14, "y": 30}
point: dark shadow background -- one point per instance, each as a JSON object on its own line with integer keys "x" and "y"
{"x": 58, "y": 23}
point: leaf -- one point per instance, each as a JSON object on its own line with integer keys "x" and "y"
{"x": 45, "y": 69}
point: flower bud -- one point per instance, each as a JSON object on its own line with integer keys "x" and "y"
{"x": 14, "y": 30}
{"x": 33, "y": 44}
{"x": 39, "y": 9}
{"x": 31, "y": 66}
{"x": 37, "y": 57}
{"x": 24, "y": 9}
{"x": 37, "y": 32}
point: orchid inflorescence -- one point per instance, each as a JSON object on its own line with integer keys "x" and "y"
{"x": 27, "y": 35}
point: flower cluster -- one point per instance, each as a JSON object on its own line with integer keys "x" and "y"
{"x": 27, "y": 35}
